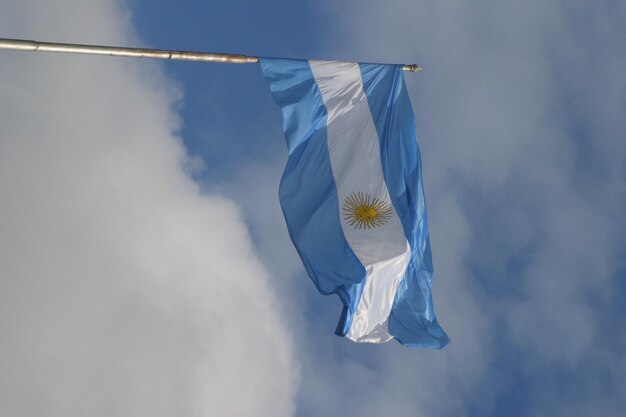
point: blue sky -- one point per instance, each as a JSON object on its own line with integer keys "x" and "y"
{"x": 520, "y": 122}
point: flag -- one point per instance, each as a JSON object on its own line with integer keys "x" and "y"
{"x": 353, "y": 198}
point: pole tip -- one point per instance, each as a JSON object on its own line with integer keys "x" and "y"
{"x": 411, "y": 67}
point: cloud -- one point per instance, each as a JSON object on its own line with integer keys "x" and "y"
{"x": 124, "y": 290}
{"x": 520, "y": 123}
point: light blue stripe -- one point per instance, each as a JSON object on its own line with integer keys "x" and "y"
{"x": 308, "y": 195}
{"x": 412, "y": 321}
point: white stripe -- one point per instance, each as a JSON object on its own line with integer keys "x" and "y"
{"x": 356, "y": 164}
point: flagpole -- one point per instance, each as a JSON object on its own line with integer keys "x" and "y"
{"x": 35, "y": 46}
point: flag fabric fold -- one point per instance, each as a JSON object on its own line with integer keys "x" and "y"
{"x": 353, "y": 198}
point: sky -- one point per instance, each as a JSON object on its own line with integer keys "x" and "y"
{"x": 145, "y": 267}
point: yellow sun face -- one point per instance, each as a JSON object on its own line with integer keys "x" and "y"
{"x": 362, "y": 211}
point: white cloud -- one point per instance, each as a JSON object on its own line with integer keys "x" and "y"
{"x": 519, "y": 120}
{"x": 123, "y": 290}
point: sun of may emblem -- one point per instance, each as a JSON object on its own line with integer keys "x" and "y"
{"x": 362, "y": 211}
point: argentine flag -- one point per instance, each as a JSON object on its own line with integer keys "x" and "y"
{"x": 353, "y": 198}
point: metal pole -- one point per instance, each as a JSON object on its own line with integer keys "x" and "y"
{"x": 35, "y": 46}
